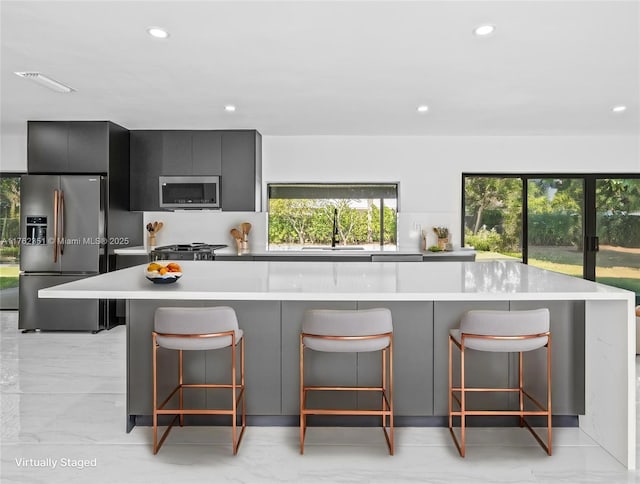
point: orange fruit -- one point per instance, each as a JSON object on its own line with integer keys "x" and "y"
{"x": 163, "y": 271}
{"x": 173, "y": 267}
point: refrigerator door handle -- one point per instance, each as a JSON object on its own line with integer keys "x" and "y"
{"x": 55, "y": 226}
{"x": 61, "y": 215}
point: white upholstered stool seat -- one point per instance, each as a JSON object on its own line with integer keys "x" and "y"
{"x": 345, "y": 324}
{"x": 505, "y": 332}
{"x": 353, "y": 331}
{"x": 185, "y": 324}
{"x": 198, "y": 329}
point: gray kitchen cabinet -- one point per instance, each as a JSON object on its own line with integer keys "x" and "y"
{"x": 69, "y": 146}
{"x": 235, "y": 156}
{"x": 122, "y": 262}
{"x": 498, "y": 370}
{"x": 412, "y": 359}
{"x": 191, "y": 153}
{"x": 567, "y": 357}
{"x": 260, "y": 321}
{"x": 206, "y": 149}
{"x": 176, "y": 154}
{"x": 47, "y": 147}
{"x": 241, "y": 183}
{"x": 482, "y": 368}
{"x": 88, "y": 146}
{"x": 313, "y": 258}
{"x": 320, "y": 367}
{"x": 229, "y": 257}
{"x": 145, "y": 167}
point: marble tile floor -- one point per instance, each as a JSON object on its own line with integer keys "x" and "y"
{"x": 62, "y": 401}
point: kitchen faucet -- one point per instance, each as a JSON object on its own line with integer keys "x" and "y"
{"x": 335, "y": 235}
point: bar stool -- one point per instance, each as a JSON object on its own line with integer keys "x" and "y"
{"x": 505, "y": 332}
{"x": 191, "y": 329}
{"x": 349, "y": 331}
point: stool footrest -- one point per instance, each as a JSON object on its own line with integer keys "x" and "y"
{"x": 366, "y": 389}
{"x": 499, "y": 412}
{"x": 324, "y": 411}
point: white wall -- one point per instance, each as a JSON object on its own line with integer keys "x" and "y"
{"x": 13, "y": 152}
{"x": 429, "y": 168}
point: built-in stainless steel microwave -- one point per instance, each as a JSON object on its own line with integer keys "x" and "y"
{"x": 184, "y": 192}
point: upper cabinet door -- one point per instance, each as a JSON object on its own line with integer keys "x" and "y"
{"x": 68, "y": 147}
{"x": 145, "y": 166}
{"x": 240, "y": 162}
{"x": 47, "y": 147}
{"x": 88, "y": 147}
{"x": 207, "y": 153}
{"x": 176, "y": 153}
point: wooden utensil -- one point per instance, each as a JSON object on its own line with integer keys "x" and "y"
{"x": 159, "y": 226}
{"x": 246, "y": 227}
{"x": 236, "y": 234}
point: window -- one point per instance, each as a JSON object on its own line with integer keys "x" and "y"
{"x": 305, "y": 215}
{"x": 9, "y": 240}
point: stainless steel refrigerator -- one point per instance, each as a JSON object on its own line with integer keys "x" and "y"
{"x": 63, "y": 235}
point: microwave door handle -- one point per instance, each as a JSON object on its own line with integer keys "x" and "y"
{"x": 55, "y": 226}
{"x": 61, "y": 215}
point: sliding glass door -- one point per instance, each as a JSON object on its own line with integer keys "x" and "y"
{"x": 583, "y": 225}
{"x": 617, "y": 260}
{"x": 555, "y": 224}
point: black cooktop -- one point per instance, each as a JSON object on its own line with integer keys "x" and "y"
{"x": 192, "y": 247}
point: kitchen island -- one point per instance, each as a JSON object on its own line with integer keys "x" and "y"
{"x": 593, "y": 327}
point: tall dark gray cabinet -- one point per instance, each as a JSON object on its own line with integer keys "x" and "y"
{"x": 234, "y": 156}
{"x": 88, "y": 163}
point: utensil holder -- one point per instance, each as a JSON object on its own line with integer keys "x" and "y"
{"x": 243, "y": 246}
{"x": 442, "y": 243}
{"x": 152, "y": 240}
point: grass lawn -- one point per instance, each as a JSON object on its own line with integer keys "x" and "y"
{"x": 9, "y": 276}
{"x": 617, "y": 266}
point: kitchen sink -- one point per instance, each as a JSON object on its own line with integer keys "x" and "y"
{"x": 311, "y": 247}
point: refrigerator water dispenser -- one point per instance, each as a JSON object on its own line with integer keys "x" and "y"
{"x": 36, "y": 230}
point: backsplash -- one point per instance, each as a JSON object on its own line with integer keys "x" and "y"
{"x": 410, "y": 225}
{"x": 208, "y": 226}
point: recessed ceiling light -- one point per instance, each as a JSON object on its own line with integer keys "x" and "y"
{"x": 619, "y": 109}
{"x": 484, "y": 30}
{"x": 423, "y": 108}
{"x": 45, "y": 81}
{"x": 229, "y": 108}
{"x": 158, "y": 32}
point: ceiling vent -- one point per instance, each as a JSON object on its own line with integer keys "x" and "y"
{"x": 45, "y": 81}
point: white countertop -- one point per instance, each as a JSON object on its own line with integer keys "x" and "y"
{"x": 343, "y": 281}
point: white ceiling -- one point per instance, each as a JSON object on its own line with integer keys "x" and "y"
{"x": 328, "y": 67}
